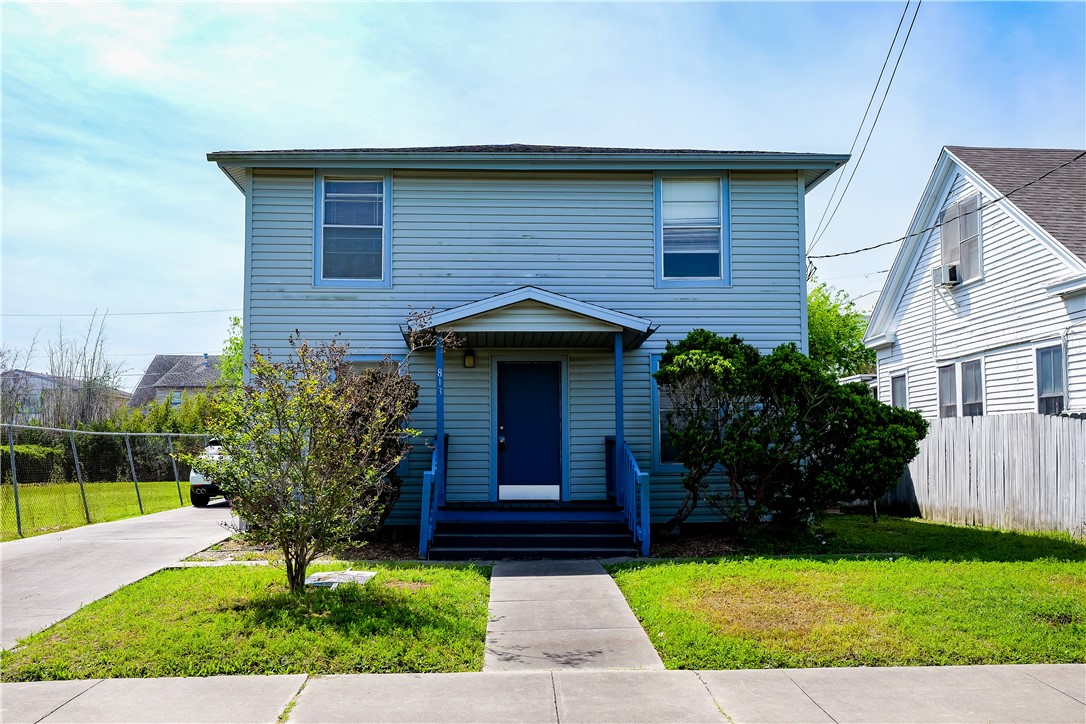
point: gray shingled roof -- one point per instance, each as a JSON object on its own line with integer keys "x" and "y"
{"x": 175, "y": 372}
{"x": 1057, "y": 202}
{"x": 506, "y": 148}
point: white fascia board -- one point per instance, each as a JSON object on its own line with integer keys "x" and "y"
{"x": 523, "y": 294}
{"x": 1068, "y": 287}
{"x": 909, "y": 252}
{"x": 882, "y": 341}
{"x": 1011, "y": 209}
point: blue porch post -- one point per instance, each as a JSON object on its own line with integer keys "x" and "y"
{"x": 440, "y": 442}
{"x": 619, "y": 413}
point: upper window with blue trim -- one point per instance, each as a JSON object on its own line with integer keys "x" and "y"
{"x": 352, "y": 239}
{"x": 691, "y": 234}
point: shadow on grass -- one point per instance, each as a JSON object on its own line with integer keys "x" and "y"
{"x": 856, "y": 535}
{"x": 349, "y": 610}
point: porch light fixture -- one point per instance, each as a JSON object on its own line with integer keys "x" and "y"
{"x": 469, "y": 358}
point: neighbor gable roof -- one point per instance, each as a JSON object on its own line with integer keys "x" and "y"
{"x": 1058, "y": 199}
{"x": 177, "y": 372}
{"x": 1057, "y": 202}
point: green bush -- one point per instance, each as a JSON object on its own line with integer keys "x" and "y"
{"x": 789, "y": 440}
{"x": 33, "y": 463}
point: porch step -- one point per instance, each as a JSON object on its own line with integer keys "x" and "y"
{"x": 462, "y": 540}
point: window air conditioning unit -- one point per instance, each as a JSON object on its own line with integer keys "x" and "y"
{"x": 945, "y": 276}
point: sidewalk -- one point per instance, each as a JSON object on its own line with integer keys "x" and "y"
{"x": 556, "y": 615}
{"x": 1044, "y": 693}
{"x": 46, "y": 578}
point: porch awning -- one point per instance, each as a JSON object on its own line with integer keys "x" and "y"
{"x": 534, "y": 317}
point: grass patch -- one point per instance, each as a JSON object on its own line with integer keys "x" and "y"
{"x": 242, "y": 620}
{"x": 51, "y": 507}
{"x": 947, "y": 595}
{"x": 801, "y": 613}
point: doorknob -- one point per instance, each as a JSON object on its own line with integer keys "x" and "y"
{"x": 501, "y": 443}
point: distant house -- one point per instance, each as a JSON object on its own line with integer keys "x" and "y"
{"x": 170, "y": 376}
{"x": 566, "y": 270}
{"x": 39, "y": 397}
{"x": 984, "y": 310}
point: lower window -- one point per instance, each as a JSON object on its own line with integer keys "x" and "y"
{"x": 1050, "y": 388}
{"x": 972, "y": 389}
{"x": 948, "y": 392}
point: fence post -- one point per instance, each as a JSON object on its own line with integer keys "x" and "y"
{"x": 79, "y": 477}
{"x": 176, "y": 475}
{"x": 132, "y": 464}
{"x": 15, "y": 481}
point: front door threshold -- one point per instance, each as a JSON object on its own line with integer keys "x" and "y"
{"x": 529, "y": 492}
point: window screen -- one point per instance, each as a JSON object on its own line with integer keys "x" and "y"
{"x": 898, "y": 391}
{"x": 353, "y": 242}
{"x": 972, "y": 389}
{"x": 948, "y": 392}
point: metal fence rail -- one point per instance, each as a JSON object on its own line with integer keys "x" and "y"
{"x": 52, "y": 479}
{"x": 1020, "y": 471}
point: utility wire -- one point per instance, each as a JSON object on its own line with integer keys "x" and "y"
{"x": 985, "y": 205}
{"x": 860, "y": 128}
{"x": 127, "y": 314}
{"x": 870, "y": 131}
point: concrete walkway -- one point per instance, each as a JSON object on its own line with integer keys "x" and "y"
{"x": 1046, "y": 693}
{"x": 46, "y": 578}
{"x": 562, "y": 615}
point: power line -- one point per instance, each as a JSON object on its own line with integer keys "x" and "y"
{"x": 985, "y": 205}
{"x": 859, "y": 129}
{"x": 128, "y": 314}
{"x": 870, "y": 131}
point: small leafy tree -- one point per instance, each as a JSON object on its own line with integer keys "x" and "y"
{"x": 835, "y": 333}
{"x": 232, "y": 359}
{"x": 308, "y": 448}
{"x": 787, "y": 438}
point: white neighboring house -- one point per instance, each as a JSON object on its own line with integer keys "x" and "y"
{"x": 984, "y": 309}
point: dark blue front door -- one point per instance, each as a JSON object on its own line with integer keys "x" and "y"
{"x": 529, "y": 435}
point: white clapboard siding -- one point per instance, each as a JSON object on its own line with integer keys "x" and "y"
{"x": 999, "y": 318}
{"x": 1021, "y": 472}
{"x": 461, "y": 237}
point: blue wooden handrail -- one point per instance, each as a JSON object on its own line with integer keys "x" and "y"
{"x": 430, "y": 481}
{"x": 632, "y": 495}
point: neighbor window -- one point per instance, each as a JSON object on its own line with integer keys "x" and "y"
{"x": 960, "y": 237}
{"x": 948, "y": 392}
{"x": 1050, "y": 392}
{"x": 972, "y": 389}
{"x": 175, "y": 398}
{"x": 691, "y": 233}
{"x": 898, "y": 391}
{"x": 352, "y": 232}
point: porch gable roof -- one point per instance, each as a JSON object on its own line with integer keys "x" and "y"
{"x": 534, "y": 317}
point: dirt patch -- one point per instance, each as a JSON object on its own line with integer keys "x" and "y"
{"x": 411, "y": 586}
{"x": 795, "y": 615}
{"x": 238, "y": 548}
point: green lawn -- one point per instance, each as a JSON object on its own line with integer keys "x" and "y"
{"x": 957, "y": 596}
{"x": 49, "y": 507}
{"x": 242, "y": 620}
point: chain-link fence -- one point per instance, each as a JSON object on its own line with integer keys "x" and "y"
{"x": 52, "y": 479}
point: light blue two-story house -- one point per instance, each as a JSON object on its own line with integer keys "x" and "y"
{"x": 564, "y": 270}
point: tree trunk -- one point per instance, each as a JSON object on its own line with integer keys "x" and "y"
{"x": 874, "y": 511}
{"x": 685, "y": 509}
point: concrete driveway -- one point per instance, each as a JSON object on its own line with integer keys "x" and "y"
{"x": 49, "y": 577}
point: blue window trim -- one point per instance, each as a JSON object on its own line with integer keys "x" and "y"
{"x": 657, "y": 466}
{"x": 725, "y": 231}
{"x": 386, "y": 232}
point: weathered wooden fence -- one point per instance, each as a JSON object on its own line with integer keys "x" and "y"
{"x": 1021, "y": 471}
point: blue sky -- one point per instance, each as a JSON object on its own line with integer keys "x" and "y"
{"x": 109, "y": 109}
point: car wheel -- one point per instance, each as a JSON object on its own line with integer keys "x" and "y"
{"x": 199, "y": 498}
